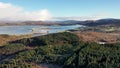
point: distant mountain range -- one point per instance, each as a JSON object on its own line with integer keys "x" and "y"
{"x": 115, "y": 22}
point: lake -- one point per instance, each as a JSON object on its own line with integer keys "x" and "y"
{"x": 34, "y": 29}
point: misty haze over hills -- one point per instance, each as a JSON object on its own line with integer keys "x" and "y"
{"x": 108, "y": 21}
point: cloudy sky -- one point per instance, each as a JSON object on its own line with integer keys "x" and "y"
{"x": 58, "y": 9}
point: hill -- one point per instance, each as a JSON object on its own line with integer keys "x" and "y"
{"x": 51, "y": 39}
{"x": 48, "y": 50}
{"x": 115, "y": 22}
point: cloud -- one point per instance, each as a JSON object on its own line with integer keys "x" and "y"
{"x": 15, "y": 13}
{"x": 12, "y": 12}
{"x": 83, "y": 18}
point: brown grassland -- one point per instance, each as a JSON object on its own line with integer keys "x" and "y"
{"x": 4, "y": 39}
{"x": 90, "y": 36}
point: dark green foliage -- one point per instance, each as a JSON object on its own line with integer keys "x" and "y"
{"x": 46, "y": 54}
{"x": 63, "y": 49}
{"x": 51, "y": 39}
{"x": 9, "y": 51}
{"x": 95, "y": 56}
{"x": 43, "y": 54}
{"x": 15, "y": 64}
{"x": 11, "y": 48}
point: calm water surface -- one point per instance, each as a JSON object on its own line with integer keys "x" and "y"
{"x": 20, "y": 30}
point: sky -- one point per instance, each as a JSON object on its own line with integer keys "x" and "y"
{"x": 59, "y": 9}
